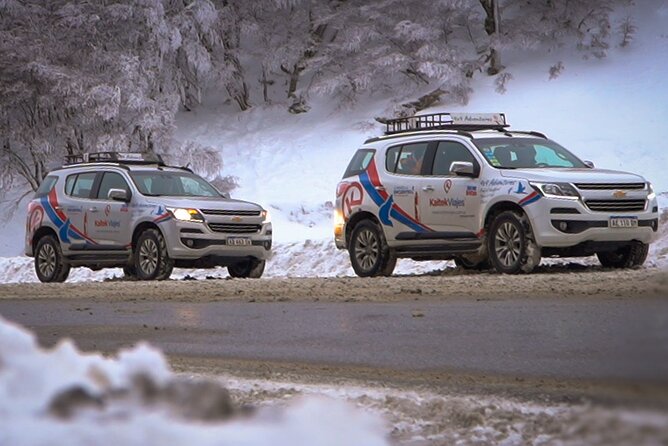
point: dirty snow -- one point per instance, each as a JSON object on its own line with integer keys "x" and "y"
{"x": 31, "y": 379}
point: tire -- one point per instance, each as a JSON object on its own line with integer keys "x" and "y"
{"x": 510, "y": 244}
{"x": 248, "y": 269}
{"x": 369, "y": 254}
{"x": 627, "y": 257}
{"x": 50, "y": 264}
{"x": 151, "y": 259}
{"x": 130, "y": 272}
{"x": 473, "y": 263}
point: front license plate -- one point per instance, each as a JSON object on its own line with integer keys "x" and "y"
{"x": 238, "y": 241}
{"x": 623, "y": 222}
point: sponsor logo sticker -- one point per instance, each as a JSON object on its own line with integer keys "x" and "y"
{"x": 447, "y": 185}
{"x": 447, "y": 202}
{"x": 471, "y": 191}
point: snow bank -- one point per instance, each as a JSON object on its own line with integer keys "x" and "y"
{"x": 119, "y": 412}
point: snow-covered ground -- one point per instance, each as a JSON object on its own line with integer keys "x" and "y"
{"x": 610, "y": 111}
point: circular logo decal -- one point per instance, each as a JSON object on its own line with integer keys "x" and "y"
{"x": 447, "y": 185}
{"x": 353, "y": 196}
{"x": 36, "y": 219}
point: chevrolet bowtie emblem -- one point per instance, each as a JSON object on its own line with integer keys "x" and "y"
{"x": 236, "y": 219}
{"x": 619, "y": 194}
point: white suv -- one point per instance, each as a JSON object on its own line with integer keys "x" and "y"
{"x": 129, "y": 210}
{"x": 464, "y": 187}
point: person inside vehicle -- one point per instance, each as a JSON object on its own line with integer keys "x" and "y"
{"x": 411, "y": 165}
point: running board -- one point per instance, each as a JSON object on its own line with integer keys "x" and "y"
{"x": 441, "y": 251}
{"x": 436, "y": 235}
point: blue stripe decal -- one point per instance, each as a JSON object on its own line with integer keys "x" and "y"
{"x": 401, "y": 219}
{"x": 370, "y": 189}
{"x": 51, "y": 213}
{"x": 532, "y": 200}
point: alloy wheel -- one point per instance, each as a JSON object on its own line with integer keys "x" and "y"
{"x": 508, "y": 243}
{"x": 47, "y": 260}
{"x": 367, "y": 249}
{"x": 148, "y": 256}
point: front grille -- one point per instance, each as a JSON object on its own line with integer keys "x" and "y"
{"x": 235, "y": 228}
{"x": 230, "y": 212}
{"x": 616, "y": 205}
{"x": 610, "y": 186}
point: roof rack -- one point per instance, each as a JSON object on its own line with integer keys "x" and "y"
{"x": 467, "y": 122}
{"x": 115, "y": 157}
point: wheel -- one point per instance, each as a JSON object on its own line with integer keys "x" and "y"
{"x": 50, "y": 265}
{"x": 369, "y": 254}
{"x": 510, "y": 244}
{"x": 627, "y": 257}
{"x": 473, "y": 262}
{"x": 151, "y": 259}
{"x": 248, "y": 269}
{"x": 130, "y": 272}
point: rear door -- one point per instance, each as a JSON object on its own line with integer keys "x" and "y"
{"x": 405, "y": 166}
{"x": 76, "y": 204}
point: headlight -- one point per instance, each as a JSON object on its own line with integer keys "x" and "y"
{"x": 184, "y": 214}
{"x": 556, "y": 190}
{"x": 266, "y": 217}
{"x": 650, "y": 191}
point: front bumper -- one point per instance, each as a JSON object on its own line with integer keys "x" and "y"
{"x": 192, "y": 241}
{"x": 564, "y": 223}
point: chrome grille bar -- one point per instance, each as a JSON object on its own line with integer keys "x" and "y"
{"x": 610, "y": 186}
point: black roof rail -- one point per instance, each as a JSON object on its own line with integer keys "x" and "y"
{"x": 114, "y": 157}
{"x": 532, "y": 133}
{"x": 467, "y": 122}
{"x": 432, "y": 132}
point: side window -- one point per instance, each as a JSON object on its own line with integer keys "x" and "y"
{"x": 46, "y": 186}
{"x": 83, "y": 185}
{"x": 359, "y": 163}
{"x": 69, "y": 184}
{"x": 111, "y": 180}
{"x": 448, "y": 152}
{"x": 411, "y": 158}
{"x": 391, "y": 158}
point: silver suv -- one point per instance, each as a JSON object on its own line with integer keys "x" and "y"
{"x": 465, "y": 187}
{"x": 130, "y": 210}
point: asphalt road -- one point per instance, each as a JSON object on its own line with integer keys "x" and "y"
{"x": 601, "y": 339}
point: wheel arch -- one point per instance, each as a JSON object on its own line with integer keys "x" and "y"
{"x": 141, "y": 227}
{"x": 498, "y": 208}
{"x": 42, "y": 232}
{"x": 355, "y": 219}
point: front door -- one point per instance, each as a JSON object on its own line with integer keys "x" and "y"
{"x": 450, "y": 203}
{"x": 110, "y": 218}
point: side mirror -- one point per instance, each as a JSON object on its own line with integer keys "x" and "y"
{"x": 225, "y": 195}
{"x": 463, "y": 169}
{"x": 589, "y": 164}
{"x": 119, "y": 195}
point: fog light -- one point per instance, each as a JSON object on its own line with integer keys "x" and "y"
{"x": 563, "y": 226}
{"x": 190, "y": 243}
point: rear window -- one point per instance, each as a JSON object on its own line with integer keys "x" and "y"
{"x": 80, "y": 185}
{"x": 359, "y": 163}
{"x": 46, "y": 186}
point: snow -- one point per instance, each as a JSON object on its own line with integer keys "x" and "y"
{"x": 34, "y": 409}
{"x": 31, "y": 378}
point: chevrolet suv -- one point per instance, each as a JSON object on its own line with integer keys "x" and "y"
{"x": 465, "y": 187}
{"x": 130, "y": 210}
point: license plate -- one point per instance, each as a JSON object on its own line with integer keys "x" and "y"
{"x": 238, "y": 241}
{"x": 623, "y": 222}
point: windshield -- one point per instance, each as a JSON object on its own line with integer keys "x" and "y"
{"x": 172, "y": 184}
{"x": 526, "y": 153}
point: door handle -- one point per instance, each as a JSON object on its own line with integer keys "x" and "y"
{"x": 380, "y": 188}
{"x": 92, "y": 209}
{"x": 428, "y": 188}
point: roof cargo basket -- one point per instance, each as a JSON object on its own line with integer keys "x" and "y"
{"x": 466, "y": 122}
{"x": 115, "y": 157}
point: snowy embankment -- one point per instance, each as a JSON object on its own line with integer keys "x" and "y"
{"x": 63, "y": 396}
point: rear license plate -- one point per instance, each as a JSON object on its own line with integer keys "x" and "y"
{"x": 623, "y": 222}
{"x": 238, "y": 241}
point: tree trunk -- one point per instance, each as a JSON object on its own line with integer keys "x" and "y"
{"x": 492, "y": 20}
